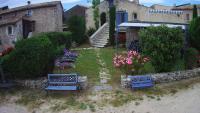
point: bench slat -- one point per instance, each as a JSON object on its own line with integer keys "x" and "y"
{"x": 141, "y": 81}
{"x": 61, "y": 88}
{"x": 62, "y": 82}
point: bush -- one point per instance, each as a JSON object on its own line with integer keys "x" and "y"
{"x": 191, "y": 58}
{"x": 77, "y": 28}
{"x": 179, "y": 65}
{"x": 32, "y": 58}
{"x": 194, "y": 30}
{"x": 90, "y": 32}
{"x": 162, "y": 45}
{"x": 58, "y": 38}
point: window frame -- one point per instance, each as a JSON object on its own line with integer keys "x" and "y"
{"x": 12, "y": 30}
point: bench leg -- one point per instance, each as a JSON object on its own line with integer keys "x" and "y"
{"x": 47, "y": 93}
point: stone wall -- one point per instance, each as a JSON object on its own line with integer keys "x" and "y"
{"x": 166, "y": 77}
{"x": 41, "y": 83}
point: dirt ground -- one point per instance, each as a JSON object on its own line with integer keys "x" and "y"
{"x": 184, "y": 101}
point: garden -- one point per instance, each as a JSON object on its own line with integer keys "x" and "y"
{"x": 164, "y": 50}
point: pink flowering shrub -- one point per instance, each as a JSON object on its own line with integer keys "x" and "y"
{"x": 131, "y": 62}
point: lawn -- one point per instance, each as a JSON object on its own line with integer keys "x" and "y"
{"x": 85, "y": 65}
{"x": 107, "y": 55}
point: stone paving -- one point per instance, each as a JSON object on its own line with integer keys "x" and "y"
{"x": 104, "y": 74}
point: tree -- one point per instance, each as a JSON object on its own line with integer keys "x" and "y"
{"x": 77, "y": 27}
{"x": 163, "y": 45}
{"x": 195, "y": 14}
{"x": 194, "y": 30}
{"x": 112, "y": 12}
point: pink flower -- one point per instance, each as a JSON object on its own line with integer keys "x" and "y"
{"x": 129, "y": 61}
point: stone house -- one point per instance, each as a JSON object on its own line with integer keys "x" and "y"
{"x": 25, "y": 21}
{"x": 131, "y": 16}
{"x": 77, "y": 10}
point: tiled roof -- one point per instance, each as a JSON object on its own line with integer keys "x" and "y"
{"x": 9, "y": 21}
{"x": 31, "y": 6}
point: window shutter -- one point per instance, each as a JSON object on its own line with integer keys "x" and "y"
{"x": 126, "y": 17}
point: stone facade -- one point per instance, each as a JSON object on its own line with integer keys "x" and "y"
{"x": 77, "y": 10}
{"x": 166, "y": 77}
{"x": 103, "y": 8}
{"x": 143, "y": 13}
{"x": 46, "y": 17}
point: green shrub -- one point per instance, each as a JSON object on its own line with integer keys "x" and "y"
{"x": 77, "y": 28}
{"x": 194, "y": 31}
{"x": 32, "y": 58}
{"x": 179, "y": 65}
{"x": 191, "y": 58}
{"x": 163, "y": 45}
{"x": 58, "y": 38}
{"x": 90, "y": 32}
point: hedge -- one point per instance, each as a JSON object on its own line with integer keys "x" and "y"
{"x": 163, "y": 45}
{"x": 31, "y": 58}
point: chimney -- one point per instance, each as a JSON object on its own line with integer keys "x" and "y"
{"x": 28, "y": 2}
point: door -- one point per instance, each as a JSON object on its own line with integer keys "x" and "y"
{"x": 28, "y": 26}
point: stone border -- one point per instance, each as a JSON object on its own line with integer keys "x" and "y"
{"x": 166, "y": 77}
{"x": 41, "y": 83}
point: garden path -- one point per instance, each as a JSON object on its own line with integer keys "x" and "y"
{"x": 104, "y": 74}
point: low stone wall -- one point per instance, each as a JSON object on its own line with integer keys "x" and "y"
{"x": 41, "y": 83}
{"x": 166, "y": 77}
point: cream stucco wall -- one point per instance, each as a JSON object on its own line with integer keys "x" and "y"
{"x": 144, "y": 15}
{"x": 142, "y": 12}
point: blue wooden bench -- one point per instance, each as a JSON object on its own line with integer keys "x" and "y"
{"x": 61, "y": 82}
{"x": 141, "y": 82}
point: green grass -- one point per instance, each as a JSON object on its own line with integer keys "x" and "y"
{"x": 107, "y": 55}
{"x": 86, "y": 65}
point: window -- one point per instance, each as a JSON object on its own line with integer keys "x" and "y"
{"x": 134, "y": 16}
{"x": 29, "y": 13}
{"x": 188, "y": 17}
{"x": 1, "y": 18}
{"x": 10, "y": 30}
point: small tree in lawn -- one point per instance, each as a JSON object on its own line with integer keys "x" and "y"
{"x": 112, "y": 13}
{"x": 78, "y": 28}
{"x": 195, "y": 14}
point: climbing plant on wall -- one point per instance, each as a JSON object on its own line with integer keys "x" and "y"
{"x": 96, "y": 16}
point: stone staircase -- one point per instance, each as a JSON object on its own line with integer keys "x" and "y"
{"x": 100, "y": 38}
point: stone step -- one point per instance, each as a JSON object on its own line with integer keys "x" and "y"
{"x": 101, "y": 39}
{"x": 99, "y": 44}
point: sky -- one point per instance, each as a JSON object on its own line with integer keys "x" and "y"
{"x": 67, "y": 4}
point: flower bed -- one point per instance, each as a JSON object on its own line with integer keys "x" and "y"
{"x": 131, "y": 62}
